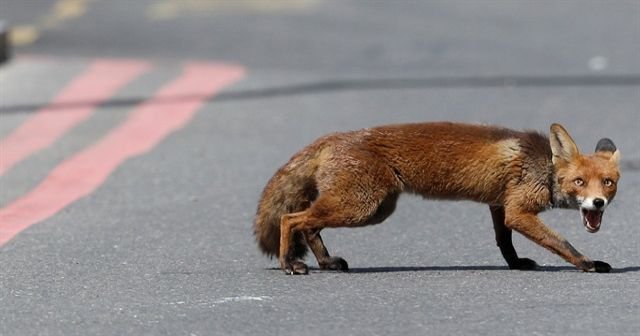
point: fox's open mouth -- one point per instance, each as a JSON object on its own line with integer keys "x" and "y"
{"x": 591, "y": 219}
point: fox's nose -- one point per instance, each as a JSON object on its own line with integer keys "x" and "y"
{"x": 598, "y": 203}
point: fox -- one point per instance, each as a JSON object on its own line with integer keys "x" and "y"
{"x": 354, "y": 179}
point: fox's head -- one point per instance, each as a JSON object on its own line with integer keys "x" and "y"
{"x": 584, "y": 182}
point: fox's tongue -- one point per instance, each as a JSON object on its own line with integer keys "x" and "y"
{"x": 592, "y": 219}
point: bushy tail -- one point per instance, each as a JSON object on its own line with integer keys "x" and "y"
{"x": 291, "y": 189}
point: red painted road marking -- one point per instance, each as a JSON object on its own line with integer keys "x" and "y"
{"x": 100, "y": 81}
{"x": 145, "y": 127}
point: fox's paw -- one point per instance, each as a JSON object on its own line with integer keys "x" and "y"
{"x": 295, "y": 267}
{"x": 595, "y": 266}
{"x": 523, "y": 264}
{"x": 335, "y": 264}
{"x": 601, "y": 266}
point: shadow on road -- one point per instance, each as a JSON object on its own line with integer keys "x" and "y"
{"x": 393, "y": 269}
{"x": 399, "y": 269}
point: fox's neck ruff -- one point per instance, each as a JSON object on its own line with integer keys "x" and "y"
{"x": 560, "y": 199}
{"x": 556, "y": 198}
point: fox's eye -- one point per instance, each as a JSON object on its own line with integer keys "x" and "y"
{"x": 607, "y": 182}
{"x": 579, "y": 182}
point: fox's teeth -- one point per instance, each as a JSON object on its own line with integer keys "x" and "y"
{"x": 591, "y": 219}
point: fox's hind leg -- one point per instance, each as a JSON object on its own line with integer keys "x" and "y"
{"x": 503, "y": 238}
{"x": 325, "y": 261}
{"x": 289, "y": 261}
{"x": 340, "y": 203}
{"x": 327, "y": 211}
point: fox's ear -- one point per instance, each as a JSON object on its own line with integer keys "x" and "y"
{"x": 607, "y": 146}
{"x": 615, "y": 157}
{"x": 562, "y": 146}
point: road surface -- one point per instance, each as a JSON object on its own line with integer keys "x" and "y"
{"x": 136, "y": 137}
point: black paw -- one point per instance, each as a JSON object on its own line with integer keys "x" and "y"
{"x": 295, "y": 267}
{"x": 335, "y": 264}
{"x": 601, "y": 266}
{"x": 523, "y": 264}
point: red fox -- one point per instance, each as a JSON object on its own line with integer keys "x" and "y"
{"x": 354, "y": 179}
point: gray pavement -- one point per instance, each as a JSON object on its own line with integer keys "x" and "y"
{"x": 164, "y": 246}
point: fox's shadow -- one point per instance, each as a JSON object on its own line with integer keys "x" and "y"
{"x": 394, "y": 269}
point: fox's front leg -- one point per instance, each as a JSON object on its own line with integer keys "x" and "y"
{"x": 532, "y": 227}
{"x": 504, "y": 242}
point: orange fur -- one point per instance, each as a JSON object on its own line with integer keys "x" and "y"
{"x": 354, "y": 178}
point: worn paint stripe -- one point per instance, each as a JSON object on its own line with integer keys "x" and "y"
{"x": 143, "y": 129}
{"x": 101, "y": 80}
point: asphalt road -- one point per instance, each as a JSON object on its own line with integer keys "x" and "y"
{"x": 136, "y": 137}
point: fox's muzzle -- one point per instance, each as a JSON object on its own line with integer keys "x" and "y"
{"x": 592, "y": 210}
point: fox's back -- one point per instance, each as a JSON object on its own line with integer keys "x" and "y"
{"x": 446, "y": 160}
